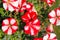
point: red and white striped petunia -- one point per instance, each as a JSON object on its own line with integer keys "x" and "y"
{"x": 32, "y": 27}
{"x": 51, "y": 36}
{"x": 26, "y": 6}
{"x": 54, "y": 17}
{"x": 10, "y": 5}
{"x": 50, "y": 28}
{"x": 9, "y": 26}
{"x": 50, "y": 2}
{"x": 20, "y": 5}
{"x": 29, "y": 16}
{"x": 38, "y": 39}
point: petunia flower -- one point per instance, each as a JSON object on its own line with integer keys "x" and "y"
{"x": 54, "y": 17}
{"x": 10, "y": 5}
{"x": 26, "y": 6}
{"x": 32, "y": 27}
{"x": 29, "y": 16}
{"x": 49, "y": 28}
{"x": 20, "y": 5}
{"x": 51, "y": 36}
{"x": 50, "y": 2}
{"x": 9, "y": 26}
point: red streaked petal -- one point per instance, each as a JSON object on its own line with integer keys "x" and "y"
{"x": 58, "y": 22}
{"x": 52, "y": 20}
{"x": 52, "y": 14}
{"x": 58, "y": 12}
{"x": 15, "y": 27}
{"x": 9, "y": 32}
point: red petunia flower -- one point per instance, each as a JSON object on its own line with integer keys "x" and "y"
{"x": 50, "y": 2}
{"x": 10, "y": 5}
{"x": 29, "y": 16}
{"x": 9, "y": 26}
{"x": 32, "y": 27}
{"x": 49, "y": 28}
{"x": 54, "y": 16}
{"x": 38, "y": 39}
{"x": 51, "y": 36}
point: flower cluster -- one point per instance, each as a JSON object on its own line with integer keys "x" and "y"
{"x": 32, "y": 27}
{"x": 32, "y": 23}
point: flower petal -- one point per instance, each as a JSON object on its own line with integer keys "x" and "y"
{"x": 32, "y": 31}
{"x": 52, "y": 20}
{"x": 35, "y": 21}
{"x": 12, "y": 21}
{"x": 58, "y": 12}
{"x": 58, "y": 22}
{"x": 52, "y": 14}
{"x": 52, "y": 35}
{"x": 26, "y": 28}
{"x": 10, "y": 8}
{"x": 4, "y": 28}
{"x": 36, "y": 27}
{"x": 15, "y": 27}
{"x": 6, "y": 21}
{"x": 9, "y": 31}
{"x": 5, "y": 6}
{"x": 15, "y": 3}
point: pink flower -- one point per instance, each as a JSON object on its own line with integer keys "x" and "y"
{"x": 54, "y": 16}
{"x": 49, "y": 28}
{"x": 50, "y": 36}
{"x": 38, "y": 38}
{"x": 9, "y": 26}
{"x": 50, "y": 2}
{"x": 32, "y": 27}
{"x": 10, "y": 5}
{"x": 29, "y": 16}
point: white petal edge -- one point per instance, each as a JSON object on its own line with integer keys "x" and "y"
{"x": 10, "y": 8}
{"x": 58, "y": 12}
{"x": 15, "y": 27}
{"x": 35, "y": 21}
{"x": 9, "y": 31}
{"x": 26, "y": 28}
{"x": 15, "y": 3}
{"x": 52, "y": 20}
{"x": 5, "y": 6}
{"x": 52, "y": 13}
{"x": 58, "y": 22}
{"x": 36, "y": 27}
{"x": 6, "y": 21}
{"x": 12, "y": 21}
{"x": 45, "y": 37}
{"x": 52, "y": 35}
{"x": 4, "y": 28}
{"x": 32, "y": 31}
{"x": 28, "y": 6}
